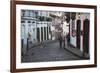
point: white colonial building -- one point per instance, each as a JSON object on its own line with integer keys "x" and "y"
{"x": 36, "y": 24}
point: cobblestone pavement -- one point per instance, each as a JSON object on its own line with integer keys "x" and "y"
{"x": 48, "y": 52}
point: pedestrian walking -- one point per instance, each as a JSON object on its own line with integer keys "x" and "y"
{"x": 68, "y": 39}
{"x": 64, "y": 38}
{"x": 63, "y": 41}
{"x": 60, "y": 39}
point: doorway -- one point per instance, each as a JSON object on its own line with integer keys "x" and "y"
{"x": 38, "y": 35}
{"x": 86, "y": 36}
{"x": 78, "y": 33}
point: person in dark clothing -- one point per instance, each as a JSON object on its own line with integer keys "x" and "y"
{"x": 63, "y": 39}
{"x": 68, "y": 39}
{"x": 60, "y": 39}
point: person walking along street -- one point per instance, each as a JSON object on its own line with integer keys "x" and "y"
{"x": 60, "y": 39}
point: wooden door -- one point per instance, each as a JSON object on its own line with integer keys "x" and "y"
{"x": 86, "y": 36}
{"x": 38, "y": 35}
{"x": 78, "y": 33}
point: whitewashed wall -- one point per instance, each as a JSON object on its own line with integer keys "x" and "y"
{"x": 73, "y": 39}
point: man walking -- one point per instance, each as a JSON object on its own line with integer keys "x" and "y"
{"x": 60, "y": 39}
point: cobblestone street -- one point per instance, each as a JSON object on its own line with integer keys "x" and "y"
{"x": 49, "y": 52}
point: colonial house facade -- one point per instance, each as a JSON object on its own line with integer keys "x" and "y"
{"x": 79, "y": 31}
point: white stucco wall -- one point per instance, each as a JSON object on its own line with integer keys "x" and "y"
{"x": 73, "y": 39}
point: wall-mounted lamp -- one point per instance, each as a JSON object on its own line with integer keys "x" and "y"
{"x": 79, "y": 15}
